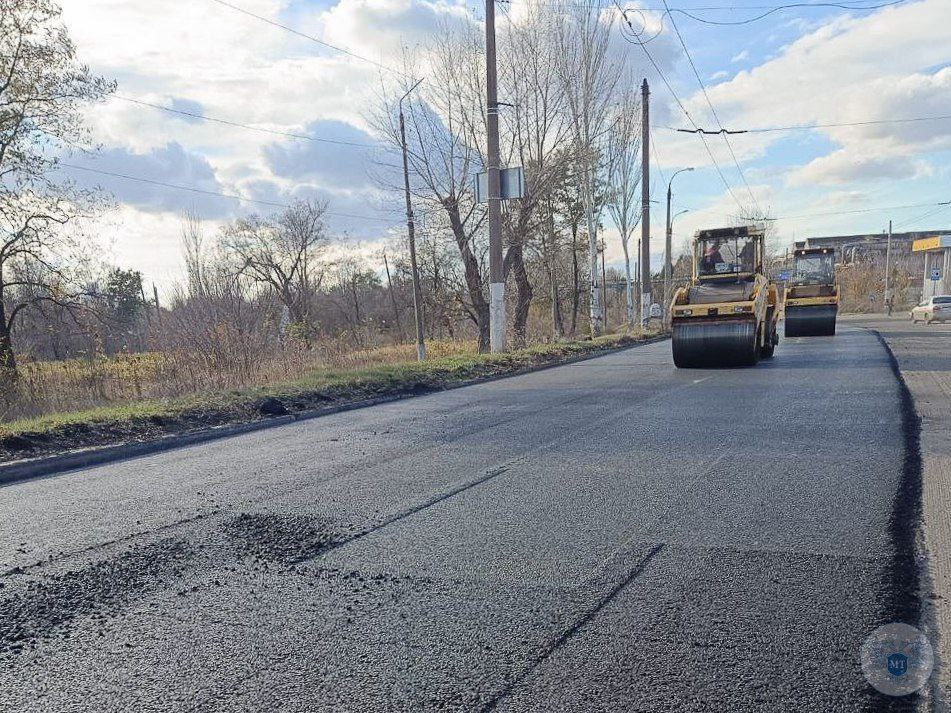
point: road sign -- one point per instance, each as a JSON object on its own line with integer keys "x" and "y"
{"x": 783, "y": 275}
{"x": 935, "y": 274}
{"x": 511, "y": 184}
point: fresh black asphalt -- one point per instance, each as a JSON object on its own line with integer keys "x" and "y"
{"x": 615, "y": 534}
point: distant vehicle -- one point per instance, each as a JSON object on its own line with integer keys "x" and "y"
{"x": 727, "y": 315}
{"x": 936, "y": 309}
{"x": 812, "y": 296}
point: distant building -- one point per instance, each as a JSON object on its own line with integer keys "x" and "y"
{"x": 936, "y": 250}
{"x": 852, "y": 248}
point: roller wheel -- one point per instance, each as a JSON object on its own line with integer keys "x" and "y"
{"x": 714, "y": 343}
{"x": 818, "y": 321}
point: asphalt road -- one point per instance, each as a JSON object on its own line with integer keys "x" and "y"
{"x": 610, "y": 535}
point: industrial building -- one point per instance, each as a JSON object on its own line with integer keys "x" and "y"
{"x": 852, "y": 248}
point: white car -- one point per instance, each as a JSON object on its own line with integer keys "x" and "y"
{"x": 936, "y": 309}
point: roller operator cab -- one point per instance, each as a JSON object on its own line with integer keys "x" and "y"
{"x": 812, "y": 295}
{"x": 727, "y": 315}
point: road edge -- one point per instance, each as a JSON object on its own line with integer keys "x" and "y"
{"x": 48, "y": 466}
{"x": 909, "y": 566}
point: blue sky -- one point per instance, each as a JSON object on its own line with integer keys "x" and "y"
{"x": 798, "y": 66}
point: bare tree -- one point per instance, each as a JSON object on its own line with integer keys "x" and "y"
{"x": 42, "y": 91}
{"x": 624, "y": 178}
{"x": 590, "y": 76}
{"x": 282, "y": 254}
{"x": 535, "y": 130}
{"x": 445, "y": 128}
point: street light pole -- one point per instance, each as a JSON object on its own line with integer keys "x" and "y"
{"x": 411, "y": 229}
{"x": 668, "y": 264}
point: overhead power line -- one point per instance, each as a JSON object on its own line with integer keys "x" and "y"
{"x": 855, "y": 211}
{"x": 217, "y": 194}
{"x": 250, "y": 127}
{"x": 940, "y": 205}
{"x": 686, "y": 113}
{"x": 779, "y": 8}
{"x": 287, "y": 28}
{"x": 713, "y": 111}
{"x": 810, "y": 127}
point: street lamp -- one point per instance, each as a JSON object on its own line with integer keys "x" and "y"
{"x": 417, "y": 293}
{"x": 668, "y": 265}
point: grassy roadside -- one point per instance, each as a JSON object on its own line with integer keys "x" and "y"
{"x": 153, "y": 418}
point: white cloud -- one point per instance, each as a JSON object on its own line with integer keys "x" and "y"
{"x": 740, "y": 56}
{"x": 843, "y": 166}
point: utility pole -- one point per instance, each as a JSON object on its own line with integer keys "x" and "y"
{"x": 604, "y": 290}
{"x": 668, "y": 261}
{"x": 645, "y": 205}
{"x": 637, "y": 275}
{"x": 888, "y": 261}
{"x": 496, "y": 281}
{"x": 158, "y": 309}
{"x": 396, "y": 311}
{"x": 411, "y": 229}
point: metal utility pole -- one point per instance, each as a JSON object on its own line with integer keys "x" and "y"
{"x": 645, "y": 205}
{"x": 411, "y": 229}
{"x": 668, "y": 258}
{"x": 888, "y": 261}
{"x": 496, "y": 281}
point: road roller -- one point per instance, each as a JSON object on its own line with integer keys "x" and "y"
{"x": 812, "y": 296}
{"x": 726, "y": 316}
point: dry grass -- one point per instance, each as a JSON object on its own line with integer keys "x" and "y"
{"x": 82, "y": 384}
{"x": 371, "y": 372}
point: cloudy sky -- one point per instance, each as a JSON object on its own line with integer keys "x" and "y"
{"x": 801, "y": 66}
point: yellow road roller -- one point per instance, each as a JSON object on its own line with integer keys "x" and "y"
{"x": 727, "y": 315}
{"x": 812, "y": 296}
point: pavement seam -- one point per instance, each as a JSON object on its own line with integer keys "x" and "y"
{"x": 575, "y": 627}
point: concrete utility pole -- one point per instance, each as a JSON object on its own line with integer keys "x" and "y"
{"x": 411, "y": 229}
{"x": 645, "y": 205}
{"x": 668, "y": 258}
{"x": 888, "y": 261}
{"x": 396, "y": 311}
{"x": 496, "y": 281}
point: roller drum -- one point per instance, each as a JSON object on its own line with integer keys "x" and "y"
{"x": 811, "y": 321}
{"x": 714, "y": 343}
